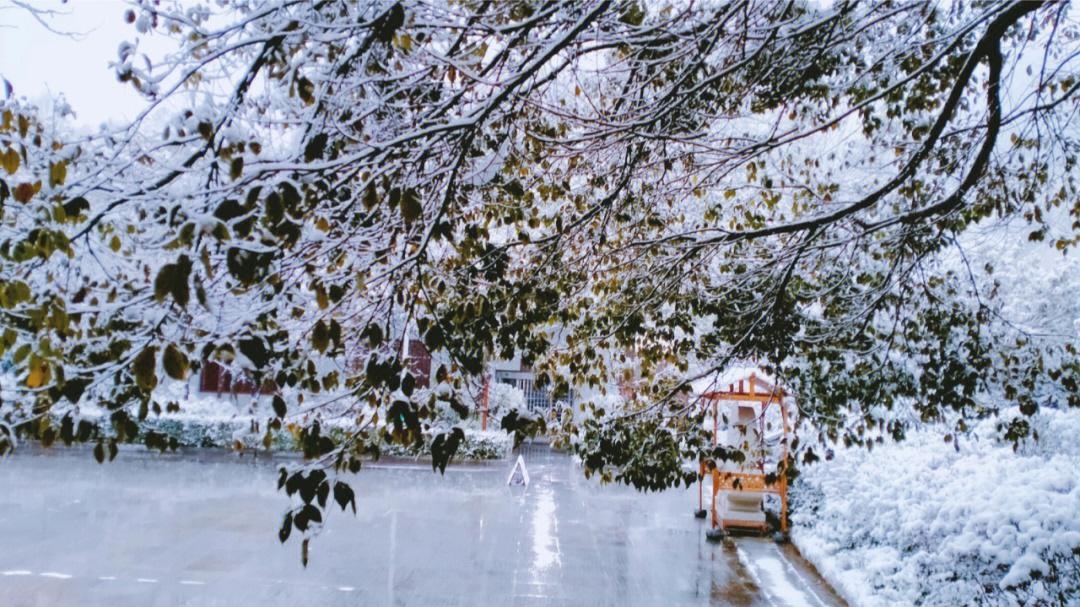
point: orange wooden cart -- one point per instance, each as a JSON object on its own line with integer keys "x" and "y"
{"x": 755, "y": 391}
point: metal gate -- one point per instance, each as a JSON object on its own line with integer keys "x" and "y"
{"x": 537, "y": 399}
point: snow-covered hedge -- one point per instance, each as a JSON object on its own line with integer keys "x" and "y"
{"x": 925, "y": 523}
{"x": 203, "y": 431}
{"x": 478, "y": 444}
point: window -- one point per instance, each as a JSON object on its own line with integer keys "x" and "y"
{"x": 218, "y": 379}
{"x": 419, "y": 363}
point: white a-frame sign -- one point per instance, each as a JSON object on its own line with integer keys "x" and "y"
{"x": 518, "y": 475}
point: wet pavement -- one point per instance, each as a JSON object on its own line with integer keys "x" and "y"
{"x": 179, "y": 530}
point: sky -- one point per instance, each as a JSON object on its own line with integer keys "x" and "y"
{"x": 40, "y": 63}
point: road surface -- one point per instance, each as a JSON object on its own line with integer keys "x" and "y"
{"x": 201, "y": 530}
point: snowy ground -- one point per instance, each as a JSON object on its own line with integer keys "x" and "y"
{"x": 925, "y": 523}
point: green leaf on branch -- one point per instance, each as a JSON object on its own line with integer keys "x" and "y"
{"x": 174, "y": 362}
{"x": 173, "y": 279}
{"x": 411, "y": 208}
{"x": 286, "y": 527}
{"x": 315, "y": 148}
{"x": 236, "y": 167}
{"x": 344, "y": 496}
{"x": 143, "y": 368}
{"x": 320, "y": 336}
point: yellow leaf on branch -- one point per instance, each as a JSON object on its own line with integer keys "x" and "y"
{"x": 35, "y": 378}
{"x": 57, "y": 173}
{"x": 10, "y": 161}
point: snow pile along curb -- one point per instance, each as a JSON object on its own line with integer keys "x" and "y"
{"x": 922, "y": 523}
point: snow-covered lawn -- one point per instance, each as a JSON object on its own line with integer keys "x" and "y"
{"x": 926, "y": 523}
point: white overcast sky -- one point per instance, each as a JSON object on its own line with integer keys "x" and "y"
{"x": 38, "y": 62}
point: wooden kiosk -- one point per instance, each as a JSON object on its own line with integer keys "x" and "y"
{"x": 739, "y": 421}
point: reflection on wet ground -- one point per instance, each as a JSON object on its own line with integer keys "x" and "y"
{"x": 170, "y": 530}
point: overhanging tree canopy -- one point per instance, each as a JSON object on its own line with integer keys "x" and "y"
{"x": 605, "y": 188}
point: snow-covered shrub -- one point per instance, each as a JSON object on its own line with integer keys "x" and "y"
{"x": 927, "y": 522}
{"x": 249, "y": 433}
{"x": 491, "y": 444}
{"x": 503, "y": 398}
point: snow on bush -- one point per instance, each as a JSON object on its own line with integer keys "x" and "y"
{"x": 925, "y": 522}
{"x": 228, "y": 422}
{"x": 250, "y": 433}
{"x": 204, "y": 419}
{"x": 504, "y": 398}
{"x": 478, "y": 444}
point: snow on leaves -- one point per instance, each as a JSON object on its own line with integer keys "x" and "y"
{"x": 615, "y": 192}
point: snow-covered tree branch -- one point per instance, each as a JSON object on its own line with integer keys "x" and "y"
{"x": 601, "y": 188}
